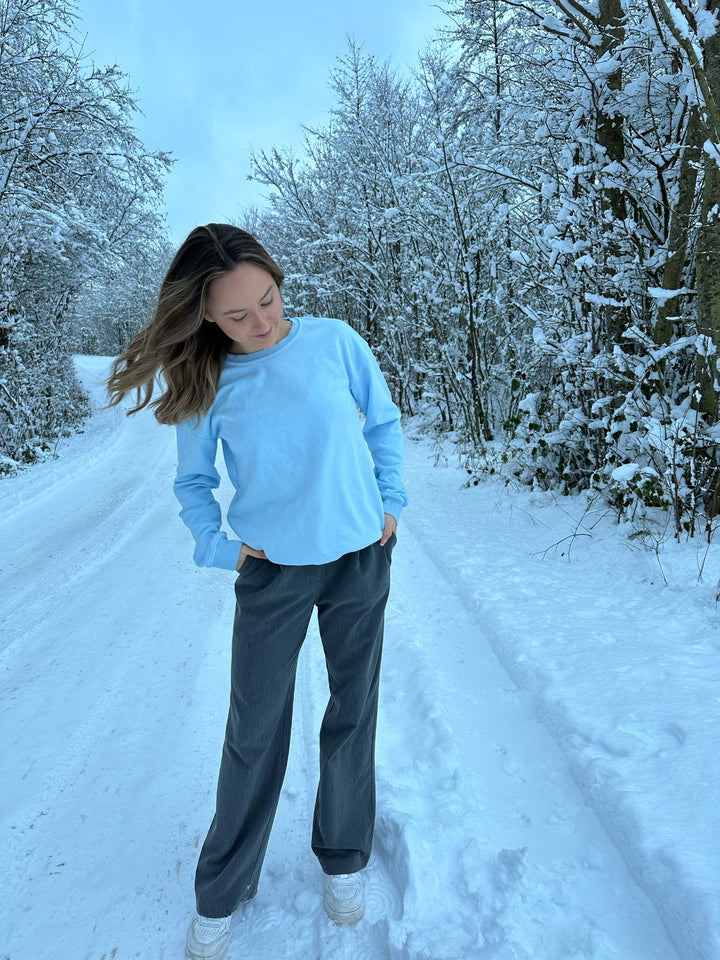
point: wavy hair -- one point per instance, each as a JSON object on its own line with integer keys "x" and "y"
{"x": 178, "y": 344}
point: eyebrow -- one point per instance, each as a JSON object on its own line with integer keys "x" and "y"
{"x": 243, "y": 309}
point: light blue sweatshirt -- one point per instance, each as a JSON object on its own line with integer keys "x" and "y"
{"x": 312, "y": 482}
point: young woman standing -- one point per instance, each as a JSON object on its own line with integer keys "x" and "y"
{"x": 317, "y": 498}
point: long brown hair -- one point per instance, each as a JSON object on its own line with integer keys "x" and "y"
{"x": 178, "y": 343}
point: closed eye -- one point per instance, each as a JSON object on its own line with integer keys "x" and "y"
{"x": 264, "y": 302}
{"x": 267, "y": 303}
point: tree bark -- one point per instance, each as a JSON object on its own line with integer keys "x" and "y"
{"x": 708, "y": 250}
{"x": 678, "y": 238}
{"x": 610, "y": 125}
{"x": 610, "y": 136}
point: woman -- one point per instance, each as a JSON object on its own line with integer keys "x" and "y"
{"x": 314, "y": 521}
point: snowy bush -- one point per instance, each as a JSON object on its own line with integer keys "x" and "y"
{"x": 45, "y": 403}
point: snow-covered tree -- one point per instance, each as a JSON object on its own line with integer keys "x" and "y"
{"x": 345, "y": 216}
{"x": 78, "y": 205}
{"x": 528, "y": 233}
{"x": 625, "y": 110}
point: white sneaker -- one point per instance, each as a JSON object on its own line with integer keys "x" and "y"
{"x": 207, "y": 938}
{"x": 344, "y": 898}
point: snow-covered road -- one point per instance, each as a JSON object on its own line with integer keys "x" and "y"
{"x": 114, "y": 670}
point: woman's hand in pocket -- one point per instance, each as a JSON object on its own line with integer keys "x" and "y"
{"x": 389, "y": 529}
{"x": 246, "y": 551}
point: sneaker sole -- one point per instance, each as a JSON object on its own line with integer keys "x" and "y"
{"x": 346, "y": 918}
{"x": 218, "y": 955}
{"x": 202, "y": 952}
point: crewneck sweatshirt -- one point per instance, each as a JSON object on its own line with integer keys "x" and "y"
{"x": 312, "y": 481}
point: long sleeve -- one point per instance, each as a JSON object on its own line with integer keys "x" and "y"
{"x": 194, "y": 484}
{"x": 381, "y": 430}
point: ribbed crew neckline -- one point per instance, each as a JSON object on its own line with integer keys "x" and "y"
{"x": 267, "y": 352}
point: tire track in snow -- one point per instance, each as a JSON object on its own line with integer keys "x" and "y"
{"x": 105, "y": 690}
{"x": 506, "y": 860}
{"x": 116, "y": 494}
{"x": 108, "y": 776}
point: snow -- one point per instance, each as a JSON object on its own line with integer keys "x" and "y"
{"x": 626, "y": 471}
{"x": 706, "y": 22}
{"x": 660, "y": 293}
{"x": 705, "y": 347}
{"x": 547, "y": 745}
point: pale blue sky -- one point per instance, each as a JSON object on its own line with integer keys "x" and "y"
{"x": 215, "y": 78}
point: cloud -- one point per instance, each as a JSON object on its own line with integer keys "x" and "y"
{"x": 215, "y": 79}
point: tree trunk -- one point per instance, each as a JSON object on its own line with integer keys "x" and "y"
{"x": 610, "y": 136}
{"x": 680, "y": 226}
{"x": 610, "y": 125}
{"x": 708, "y": 251}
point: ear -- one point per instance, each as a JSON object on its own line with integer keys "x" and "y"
{"x": 208, "y": 318}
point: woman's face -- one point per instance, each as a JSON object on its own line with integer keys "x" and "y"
{"x": 246, "y": 305}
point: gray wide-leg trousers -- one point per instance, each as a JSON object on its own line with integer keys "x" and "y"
{"x": 274, "y": 606}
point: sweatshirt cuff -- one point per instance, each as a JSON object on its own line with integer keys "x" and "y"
{"x": 393, "y": 506}
{"x": 227, "y": 554}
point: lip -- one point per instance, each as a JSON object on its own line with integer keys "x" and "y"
{"x": 263, "y": 336}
